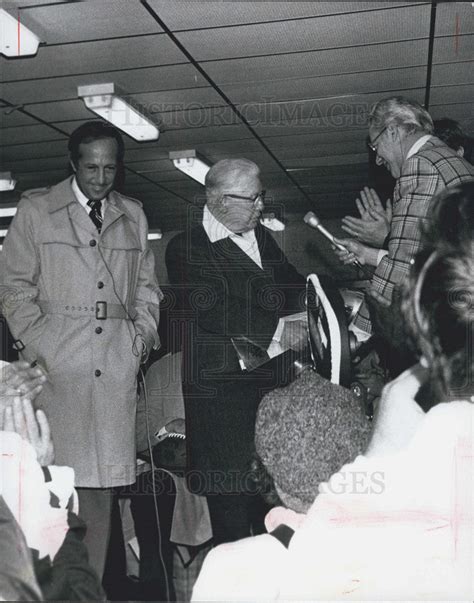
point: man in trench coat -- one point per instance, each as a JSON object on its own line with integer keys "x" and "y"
{"x": 81, "y": 298}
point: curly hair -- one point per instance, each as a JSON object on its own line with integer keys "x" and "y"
{"x": 438, "y": 298}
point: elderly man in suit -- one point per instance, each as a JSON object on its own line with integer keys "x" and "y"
{"x": 81, "y": 299}
{"x": 401, "y": 135}
{"x": 231, "y": 281}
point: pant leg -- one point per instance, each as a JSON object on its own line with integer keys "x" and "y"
{"x": 154, "y": 540}
{"x": 95, "y": 508}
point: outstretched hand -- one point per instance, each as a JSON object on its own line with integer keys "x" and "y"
{"x": 354, "y": 251}
{"x": 373, "y": 225}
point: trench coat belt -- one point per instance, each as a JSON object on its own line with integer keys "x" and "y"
{"x": 99, "y": 309}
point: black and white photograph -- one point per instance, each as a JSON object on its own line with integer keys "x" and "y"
{"x": 236, "y": 300}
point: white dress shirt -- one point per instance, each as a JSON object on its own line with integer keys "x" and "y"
{"x": 83, "y": 199}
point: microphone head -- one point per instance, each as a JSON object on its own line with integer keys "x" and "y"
{"x": 312, "y": 219}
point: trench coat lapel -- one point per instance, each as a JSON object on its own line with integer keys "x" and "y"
{"x": 62, "y": 196}
{"x": 114, "y": 211}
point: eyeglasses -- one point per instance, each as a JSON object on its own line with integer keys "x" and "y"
{"x": 254, "y": 200}
{"x": 371, "y": 144}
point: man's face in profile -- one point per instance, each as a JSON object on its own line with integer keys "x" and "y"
{"x": 388, "y": 148}
{"x": 96, "y": 167}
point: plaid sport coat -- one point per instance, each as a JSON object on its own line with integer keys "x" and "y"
{"x": 426, "y": 173}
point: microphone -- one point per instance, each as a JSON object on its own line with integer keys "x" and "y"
{"x": 311, "y": 219}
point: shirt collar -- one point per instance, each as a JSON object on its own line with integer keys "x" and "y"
{"x": 417, "y": 145}
{"x": 215, "y": 230}
{"x": 81, "y": 197}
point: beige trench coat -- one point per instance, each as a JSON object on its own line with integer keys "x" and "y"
{"x": 55, "y": 267}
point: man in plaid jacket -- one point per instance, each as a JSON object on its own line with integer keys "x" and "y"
{"x": 400, "y": 133}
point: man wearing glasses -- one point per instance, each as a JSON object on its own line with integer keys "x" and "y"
{"x": 401, "y": 135}
{"x": 231, "y": 282}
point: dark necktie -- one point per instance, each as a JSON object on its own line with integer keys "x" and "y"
{"x": 95, "y": 213}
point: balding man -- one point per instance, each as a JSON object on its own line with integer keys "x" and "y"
{"x": 238, "y": 284}
{"x": 401, "y": 134}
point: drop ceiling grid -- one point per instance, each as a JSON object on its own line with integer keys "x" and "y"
{"x": 329, "y": 32}
{"x": 84, "y": 58}
{"x": 335, "y": 86}
{"x": 169, "y": 104}
{"x": 145, "y": 83}
{"x": 310, "y": 64}
{"x": 140, "y": 80}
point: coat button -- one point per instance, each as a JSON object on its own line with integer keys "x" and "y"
{"x": 98, "y": 330}
{"x": 97, "y": 373}
{"x": 100, "y": 285}
{"x": 92, "y": 242}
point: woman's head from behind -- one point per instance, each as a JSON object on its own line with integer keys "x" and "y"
{"x": 439, "y": 296}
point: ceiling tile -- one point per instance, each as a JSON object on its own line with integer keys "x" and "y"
{"x": 132, "y": 81}
{"x": 191, "y": 15}
{"x": 82, "y": 58}
{"x": 73, "y": 21}
{"x": 290, "y": 36}
{"x": 313, "y": 64}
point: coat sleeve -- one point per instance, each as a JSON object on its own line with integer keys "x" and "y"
{"x": 147, "y": 295}
{"x": 19, "y": 275}
{"x": 416, "y": 188}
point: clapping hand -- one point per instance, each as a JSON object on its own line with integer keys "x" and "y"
{"x": 373, "y": 225}
{"x": 33, "y": 427}
{"x": 21, "y": 379}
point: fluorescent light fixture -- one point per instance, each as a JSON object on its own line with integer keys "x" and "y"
{"x": 3, "y": 232}
{"x": 16, "y": 39}
{"x": 116, "y": 107}
{"x": 7, "y": 183}
{"x": 190, "y": 164}
{"x": 155, "y": 235}
{"x": 6, "y": 212}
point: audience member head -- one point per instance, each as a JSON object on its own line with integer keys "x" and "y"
{"x": 450, "y": 131}
{"x": 439, "y": 294}
{"x": 234, "y": 194}
{"x": 305, "y": 432}
{"x": 395, "y": 124}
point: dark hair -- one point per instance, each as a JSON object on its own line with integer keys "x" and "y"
{"x": 439, "y": 294}
{"x": 94, "y": 130}
{"x": 449, "y": 131}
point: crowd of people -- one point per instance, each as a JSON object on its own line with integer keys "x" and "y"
{"x": 299, "y": 493}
